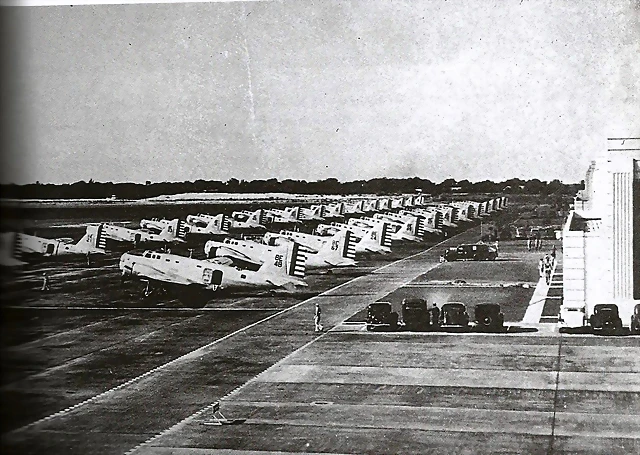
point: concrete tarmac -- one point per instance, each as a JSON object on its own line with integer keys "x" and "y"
{"x": 352, "y": 391}
{"x": 121, "y": 415}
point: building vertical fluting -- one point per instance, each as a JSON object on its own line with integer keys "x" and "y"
{"x": 602, "y": 235}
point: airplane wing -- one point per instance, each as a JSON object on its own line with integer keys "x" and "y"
{"x": 225, "y": 251}
{"x": 166, "y": 276}
{"x": 221, "y": 261}
{"x": 235, "y": 262}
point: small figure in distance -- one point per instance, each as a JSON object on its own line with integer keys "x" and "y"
{"x": 88, "y": 254}
{"x": 316, "y": 318}
{"x": 547, "y": 268}
{"x": 45, "y": 282}
{"x": 435, "y": 314}
{"x": 541, "y": 267}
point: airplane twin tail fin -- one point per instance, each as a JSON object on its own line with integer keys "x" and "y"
{"x": 17, "y": 246}
{"x": 226, "y": 223}
{"x": 173, "y": 229}
{"x": 420, "y": 226}
{"x": 385, "y": 235}
{"x": 288, "y": 259}
{"x": 341, "y": 245}
{"x": 94, "y": 237}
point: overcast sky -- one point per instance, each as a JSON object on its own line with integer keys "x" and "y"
{"x": 310, "y": 90}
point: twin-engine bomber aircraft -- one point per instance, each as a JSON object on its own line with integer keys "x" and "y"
{"x": 203, "y": 224}
{"x": 194, "y": 281}
{"x": 16, "y": 245}
{"x": 168, "y": 234}
{"x": 336, "y": 251}
{"x": 175, "y": 227}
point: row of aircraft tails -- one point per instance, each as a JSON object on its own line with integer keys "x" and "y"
{"x": 273, "y": 260}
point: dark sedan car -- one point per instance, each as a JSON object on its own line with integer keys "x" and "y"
{"x": 416, "y": 315}
{"x": 472, "y": 252}
{"x": 454, "y": 314}
{"x": 380, "y": 317}
{"x": 605, "y": 318}
{"x": 488, "y": 317}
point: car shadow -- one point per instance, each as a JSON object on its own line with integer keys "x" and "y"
{"x": 589, "y": 331}
{"x": 519, "y": 329}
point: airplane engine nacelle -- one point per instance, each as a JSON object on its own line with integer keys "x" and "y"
{"x": 210, "y": 250}
{"x": 269, "y": 239}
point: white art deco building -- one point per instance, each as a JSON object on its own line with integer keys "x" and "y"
{"x": 601, "y": 239}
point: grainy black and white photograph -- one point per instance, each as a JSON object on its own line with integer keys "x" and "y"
{"x": 320, "y": 227}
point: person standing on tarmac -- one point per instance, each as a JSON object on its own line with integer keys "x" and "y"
{"x": 316, "y": 318}
{"x": 541, "y": 268}
{"x": 45, "y": 283}
{"x": 435, "y": 315}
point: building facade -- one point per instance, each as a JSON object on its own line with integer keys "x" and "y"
{"x": 601, "y": 238}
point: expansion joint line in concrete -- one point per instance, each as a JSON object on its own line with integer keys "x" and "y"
{"x": 197, "y": 414}
{"x": 555, "y": 397}
{"x": 235, "y": 391}
{"x": 152, "y": 371}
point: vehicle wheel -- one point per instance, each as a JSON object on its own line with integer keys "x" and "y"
{"x": 487, "y": 321}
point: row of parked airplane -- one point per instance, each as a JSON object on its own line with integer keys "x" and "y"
{"x": 278, "y": 259}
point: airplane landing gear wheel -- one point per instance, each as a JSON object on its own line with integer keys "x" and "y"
{"x": 147, "y": 290}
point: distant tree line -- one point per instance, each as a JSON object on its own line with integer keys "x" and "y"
{"x": 380, "y": 186}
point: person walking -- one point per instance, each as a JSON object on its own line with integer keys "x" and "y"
{"x": 541, "y": 270}
{"x": 316, "y": 318}
{"x": 547, "y": 268}
{"x": 553, "y": 253}
{"x": 45, "y": 282}
{"x": 88, "y": 254}
{"x": 529, "y": 243}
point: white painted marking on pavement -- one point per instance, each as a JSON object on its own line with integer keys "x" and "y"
{"x": 538, "y": 299}
{"x": 237, "y": 389}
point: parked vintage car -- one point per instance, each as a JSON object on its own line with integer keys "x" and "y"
{"x": 605, "y": 318}
{"x": 488, "y": 317}
{"x": 416, "y": 315}
{"x": 380, "y": 317}
{"x": 472, "y": 251}
{"x": 454, "y": 314}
